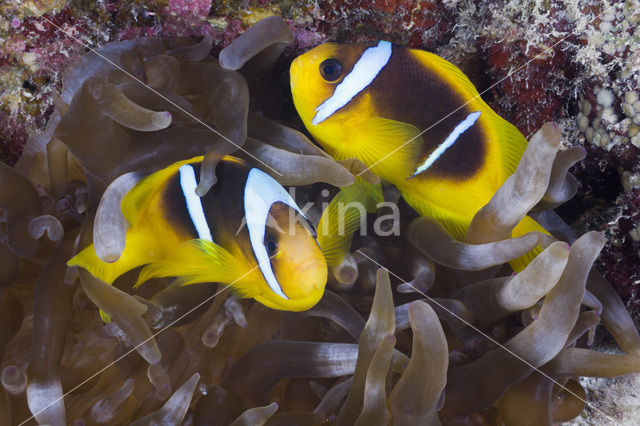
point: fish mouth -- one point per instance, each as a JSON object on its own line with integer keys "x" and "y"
{"x": 313, "y": 272}
{"x": 308, "y": 266}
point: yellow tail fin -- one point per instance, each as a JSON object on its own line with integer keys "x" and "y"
{"x": 527, "y": 224}
{"x": 107, "y": 272}
{"x": 136, "y": 253}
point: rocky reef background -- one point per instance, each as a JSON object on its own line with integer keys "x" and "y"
{"x": 574, "y": 62}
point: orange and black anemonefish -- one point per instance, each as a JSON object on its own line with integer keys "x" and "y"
{"x": 246, "y": 232}
{"x": 416, "y": 121}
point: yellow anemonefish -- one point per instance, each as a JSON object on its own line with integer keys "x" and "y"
{"x": 416, "y": 121}
{"x": 246, "y": 231}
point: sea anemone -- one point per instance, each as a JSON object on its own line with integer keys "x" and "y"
{"x": 423, "y": 329}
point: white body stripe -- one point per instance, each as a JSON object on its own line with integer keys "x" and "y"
{"x": 448, "y": 142}
{"x": 194, "y": 203}
{"x": 364, "y": 71}
{"x": 260, "y": 193}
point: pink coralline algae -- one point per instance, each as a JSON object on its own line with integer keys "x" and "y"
{"x": 185, "y": 9}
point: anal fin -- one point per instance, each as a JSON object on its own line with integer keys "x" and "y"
{"x": 527, "y": 224}
{"x": 456, "y": 226}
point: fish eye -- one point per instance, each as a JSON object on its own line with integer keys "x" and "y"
{"x": 272, "y": 246}
{"x": 331, "y": 69}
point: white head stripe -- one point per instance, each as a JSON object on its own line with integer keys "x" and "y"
{"x": 194, "y": 203}
{"x": 371, "y": 62}
{"x": 448, "y": 142}
{"x": 260, "y": 193}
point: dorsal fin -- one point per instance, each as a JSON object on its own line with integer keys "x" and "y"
{"x": 134, "y": 202}
{"x": 449, "y": 72}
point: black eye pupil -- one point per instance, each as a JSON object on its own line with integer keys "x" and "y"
{"x": 331, "y": 69}
{"x": 271, "y": 246}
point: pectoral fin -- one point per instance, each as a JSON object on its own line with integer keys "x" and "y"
{"x": 343, "y": 216}
{"x": 387, "y": 146}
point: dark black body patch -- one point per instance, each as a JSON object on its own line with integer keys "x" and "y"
{"x": 223, "y": 204}
{"x": 174, "y": 205}
{"x": 407, "y": 91}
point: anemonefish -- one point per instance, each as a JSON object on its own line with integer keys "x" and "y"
{"x": 416, "y": 121}
{"x": 246, "y": 231}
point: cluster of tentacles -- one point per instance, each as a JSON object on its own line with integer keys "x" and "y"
{"x": 447, "y": 334}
